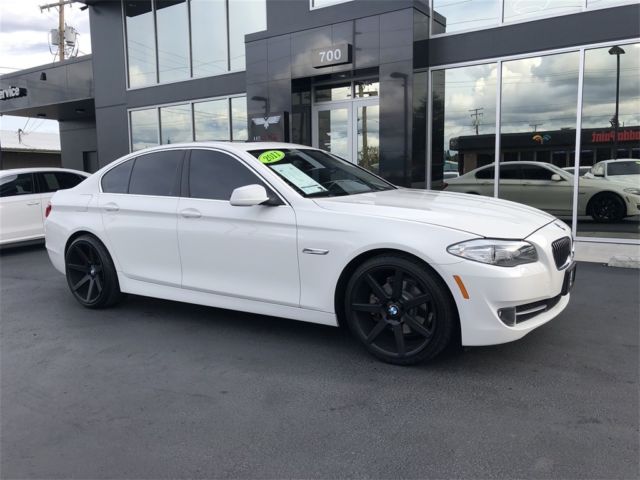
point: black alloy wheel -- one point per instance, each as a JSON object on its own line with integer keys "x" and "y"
{"x": 607, "y": 207}
{"x": 399, "y": 310}
{"x": 90, "y": 272}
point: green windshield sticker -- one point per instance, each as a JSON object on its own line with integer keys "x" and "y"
{"x": 271, "y": 156}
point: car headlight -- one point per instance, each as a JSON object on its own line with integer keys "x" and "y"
{"x": 635, "y": 191}
{"x": 503, "y": 253}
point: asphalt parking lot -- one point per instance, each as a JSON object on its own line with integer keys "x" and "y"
{"x": 155, "y": 389}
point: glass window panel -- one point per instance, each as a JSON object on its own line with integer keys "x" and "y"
{"x": 239, "y": 119}
{"x": 245, "y": 16}
{"x": 463, "y": 127}
{"x": 175, "y": 123}
{"x": 173, "y": 40}
{"x": 538, "y": 113}
{"x": 215, "y": 175}
{"x": 367, "y": 88}
{"x": 116, "y": 180}
{"x": 208, "y": 37}
{"x": 144, "y": 128}
{"x": 211, "y": 120}
{"x": 141, "y": 50}
{"x": 333, "y": 132}
{"x": 333, "y": 92}
{"x": 455, "y": 15}
{"x": 14, "y": 185}
{"x": 369, "y": 137}
{"x": 603, "y": 210}
{"x": 515, "y": 10}
{"x": 155, "y": 174}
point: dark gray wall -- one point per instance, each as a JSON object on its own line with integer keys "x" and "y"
{"x": 28, "y": 160}
{"x": 77, "y": 137}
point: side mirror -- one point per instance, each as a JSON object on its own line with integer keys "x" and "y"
{"x": 556, "y": 178}
{"x": 248, "y": 196}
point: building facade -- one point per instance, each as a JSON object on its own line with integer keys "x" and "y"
{"x": 406, "y": 88}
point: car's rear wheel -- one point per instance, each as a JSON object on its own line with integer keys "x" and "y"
{"x": 399, "y": 309}
{"x": 91, "y": 274}
{"x": 607, "y": 207}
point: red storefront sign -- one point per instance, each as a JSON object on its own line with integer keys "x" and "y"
{"x": 608, "y": 135}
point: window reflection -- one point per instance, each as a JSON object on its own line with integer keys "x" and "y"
{"x": 610, "y": 197}
{"x": 516, "y": 10}
{"x": 208, "y": 37}
{"x": 245, "y": 16}
{"x": 239, "y": 119}
{"x": 463, "y": 126}
{"x": 211, "y": 120}
{"x": 173, "y": 43}
{"x": 140, "y": 42}
{"x": 333, "y": 92}
{"x": 455, "y": 15}
{"x": 144, "y": 128}
{"x": 175, "y": 124}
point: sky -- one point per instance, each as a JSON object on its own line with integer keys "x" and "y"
{"x": 24, "y": 43}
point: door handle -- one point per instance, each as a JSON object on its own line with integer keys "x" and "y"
{"x": 33, "y": 203}
{"x": 111, "y": 207}
{"x": 190, "y": 213}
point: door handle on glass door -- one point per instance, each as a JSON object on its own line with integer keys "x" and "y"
{"x": 190, "y": 213}
{"x": 111, "y": 207}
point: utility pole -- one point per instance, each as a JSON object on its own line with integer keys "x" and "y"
{"x": 535, "y": 126}
{"x": 477, "y": 115}
{"x": 60, "y": 6}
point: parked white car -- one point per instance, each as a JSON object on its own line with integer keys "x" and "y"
{"x": 622, "y": 170}
{"x": 292, "y": 231}
{"x": 24, "y": 195}
{"x": 550, "y": 188}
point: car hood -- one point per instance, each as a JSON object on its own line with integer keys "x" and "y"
{"x": 483, "y": 216}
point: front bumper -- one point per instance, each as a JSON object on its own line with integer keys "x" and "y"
{"x": 492, "y": 290}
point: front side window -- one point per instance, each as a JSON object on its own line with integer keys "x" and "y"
{"x": 156, "y": 174}
{"x": 14, "y": 185}
{"x": 313, "y": 173}
{"x": 215, "y": 175}
{"x": 116, "y": 180}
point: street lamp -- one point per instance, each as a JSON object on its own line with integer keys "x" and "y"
{"x": 617, "y": 51}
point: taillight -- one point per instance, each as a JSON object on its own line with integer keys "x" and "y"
{"x": 47, "y": 210}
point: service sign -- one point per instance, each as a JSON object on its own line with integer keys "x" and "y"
{"x": 333, "y": 55}
{"x": 12, "y": 92}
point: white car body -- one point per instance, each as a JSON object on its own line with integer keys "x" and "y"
{"x": 552, "y": 196}
{"x": 287, "y": 260}
{"x": 22, "y": 215}
{"x": 601, "y": 171}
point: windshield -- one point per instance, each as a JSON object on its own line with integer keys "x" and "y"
{"x": 313, "y": 173}
{"x": 624, "y": 168}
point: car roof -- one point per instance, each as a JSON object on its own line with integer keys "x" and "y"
{"x": 611, "y": 160}
{"x": 15, "y": 171}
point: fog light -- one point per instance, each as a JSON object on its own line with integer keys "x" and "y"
{"x": 508, "y": 316}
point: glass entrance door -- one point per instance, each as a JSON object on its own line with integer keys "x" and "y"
{"x": 349, "y": 129}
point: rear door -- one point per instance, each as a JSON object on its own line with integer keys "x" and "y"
{"x": 139, "y": 200}
{"x": 540, "y": 191}
{"x": 248, "y": 252}
{"x": 20, "y": 211}
{"x": 510, "y": 183}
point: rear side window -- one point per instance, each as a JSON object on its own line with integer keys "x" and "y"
{"x": 13, "y": 185}
{"x": 156, "y": 174}
{"x": 534, "y": 172}
{"x": 510, "y": 172}
{"x": 485, "y": 174}
{"x": 214, "y": 175}
{"x": 116, "y": 180}
{"x": 53, "y": 181}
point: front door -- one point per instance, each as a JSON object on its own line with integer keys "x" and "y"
{"x": 349, "y": 129}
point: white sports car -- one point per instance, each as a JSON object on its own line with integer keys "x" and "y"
{"x": 550, "y": 188}
{"x": 295, "y": 232}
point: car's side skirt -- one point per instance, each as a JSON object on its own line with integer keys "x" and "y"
{"x": 138, "y": 287}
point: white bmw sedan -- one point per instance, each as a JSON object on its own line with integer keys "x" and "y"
{"x": 295, "y": 232}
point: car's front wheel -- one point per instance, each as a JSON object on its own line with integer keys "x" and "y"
{"x": 607, "y": 207}
{"x": 90, "y": 272}
{"x": 399, "y": 309}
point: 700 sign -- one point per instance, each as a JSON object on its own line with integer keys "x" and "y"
{"x": 334, "y": 55}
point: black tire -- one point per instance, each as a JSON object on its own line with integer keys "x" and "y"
{"x": 400, "y": 310}
{"x": 607, "y": 208}
{"x": 90, "y": 272}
